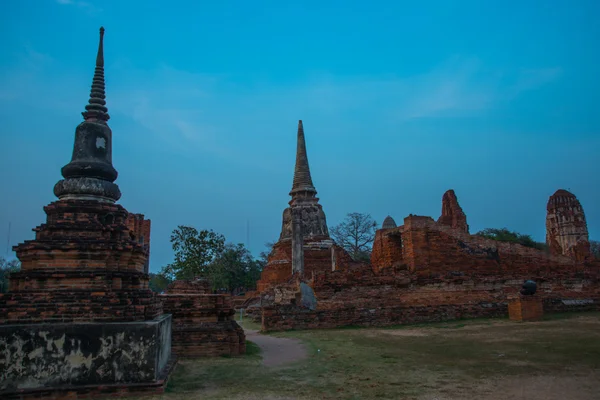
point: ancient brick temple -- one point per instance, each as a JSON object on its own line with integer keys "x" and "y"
{"x": 566, "y": 227}
{"x": 427, "y": 270}
{"x": 79, "y": 318}
{"x": 304, "y": 245}
{"x": 203, "y": 323}
{"x": 452, "y": 213}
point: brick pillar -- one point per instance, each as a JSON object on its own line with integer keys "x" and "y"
{"x": 297, "y": 243}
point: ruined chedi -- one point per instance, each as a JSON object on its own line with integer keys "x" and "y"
{"x": 304, "y": 204}
{"x": 304, "y": 244}
{"x": 452, "y": 213}
{"x": 79, "y": 318}
{"x": 566, "y": 227}
{"x": 389, "y": 223}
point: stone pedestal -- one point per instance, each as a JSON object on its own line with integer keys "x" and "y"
{"x": 39, "y": 357}
{"x": 525, "y": 308}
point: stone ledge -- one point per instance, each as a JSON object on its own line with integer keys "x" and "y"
{"x": 94, "y": 391}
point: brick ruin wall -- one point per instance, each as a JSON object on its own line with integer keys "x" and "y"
{"x": 426, "y": 271}
{"x": 203, "y": 323}
{"x": 317, "y": 259}
{"x": 139, "y": 230}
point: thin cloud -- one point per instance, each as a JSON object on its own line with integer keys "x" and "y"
{"x": 84, "y": 5}
{"x": 529, "y": 79}
{"x": 203, "y": 113}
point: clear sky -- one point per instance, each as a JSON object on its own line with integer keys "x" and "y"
{"x": 401, "y": 100}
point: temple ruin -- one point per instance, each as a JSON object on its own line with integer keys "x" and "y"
{"x": 203, "y": 323}
{"x": 304, "y": 245}
{"x": 426, "y": 270}
{"x": 452, "y": 214}
{"x": 566, "y": 227}
{"x": 79, "y": 319}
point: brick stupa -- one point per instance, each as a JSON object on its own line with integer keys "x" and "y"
{"x": 304, "y": 244}
{"x": 566, "y": 226}
{"x": 79, "y": 319}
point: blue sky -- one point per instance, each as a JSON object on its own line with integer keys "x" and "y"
{"x": 400, "y": 100}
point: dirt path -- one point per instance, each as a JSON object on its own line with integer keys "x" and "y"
{"x": 277, "y": 351}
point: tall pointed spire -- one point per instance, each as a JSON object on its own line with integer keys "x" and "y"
{"x": 302, "y": 178}
{"x": 90, "y": 174}
{"x": 96, "y": 109}
{"x": 304, "y": 199}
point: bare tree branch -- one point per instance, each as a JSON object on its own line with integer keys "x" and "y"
{"x": 355, "y": 234}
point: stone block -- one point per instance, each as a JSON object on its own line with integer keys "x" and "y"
{"x": 46, "y": 356}
{"x": 525, "y": 308}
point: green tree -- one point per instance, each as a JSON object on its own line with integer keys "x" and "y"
{"x": 504, "y": 235}
{"x": 356, "y": 234}
{"x": 6, "y": 267}
{"x": 194, "y": 252}
{"x": 234, "y": 268}
{"x": 158, "y": 282}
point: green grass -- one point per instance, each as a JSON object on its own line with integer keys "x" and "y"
{"x": 458, "y": 359}
{"x": 246, "y": 322}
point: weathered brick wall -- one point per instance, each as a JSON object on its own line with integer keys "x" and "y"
{"x": 317, "y": 258}
{"x": 139, "y": 229}
{"x": 294, "y": 317}
{"x": 432, "y": 249}
{"x": 388, "y": 305}
{"x": 387, "y": 249}
{"x": 279, "y": 266}
{"x": 203, "y": 324}
{"x": 193, "y": 286}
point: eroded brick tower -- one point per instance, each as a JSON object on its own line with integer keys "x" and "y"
{"x": 79, "y": 315}
{"x": 566, "y": 227}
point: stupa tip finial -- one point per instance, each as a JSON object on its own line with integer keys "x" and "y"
{"x": 96, "y": 109}
{"x": 100, "y": 57}
{"x": 302, "y": 178}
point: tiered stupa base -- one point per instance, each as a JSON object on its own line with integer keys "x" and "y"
{"x": 79, "y": 318}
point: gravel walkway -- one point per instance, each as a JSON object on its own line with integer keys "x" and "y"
{"x": 277, "y": 351}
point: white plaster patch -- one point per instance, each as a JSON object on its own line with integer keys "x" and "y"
{"x": 36, "y": 353}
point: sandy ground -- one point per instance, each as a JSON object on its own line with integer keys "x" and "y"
{"x": 529, "y": 388}
{"x": 277, "y": 351}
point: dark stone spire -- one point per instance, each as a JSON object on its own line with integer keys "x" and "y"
{"x": 302, "y": 178}
{"x": 90, "y": 174}
{"x": 96, "y": 109}
{"x": 304, "y": 203}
